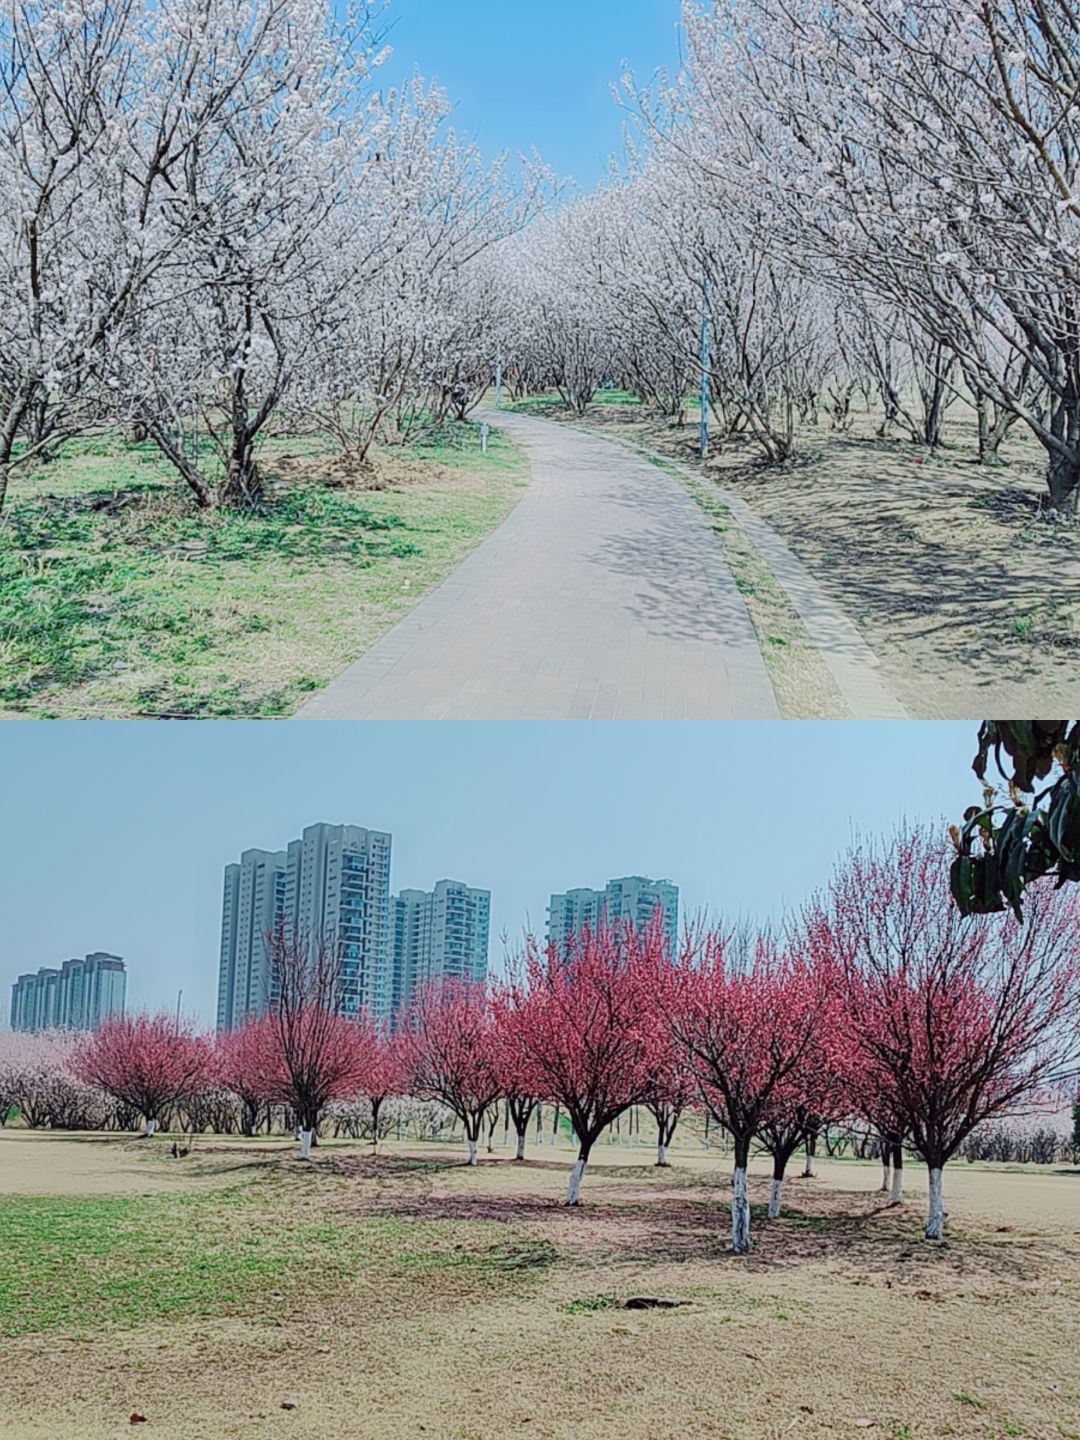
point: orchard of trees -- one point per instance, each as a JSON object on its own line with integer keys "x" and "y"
{"x": 881, "y": 1018}
{"x": 846, "y": 203}
{"x": 214, "y": 223}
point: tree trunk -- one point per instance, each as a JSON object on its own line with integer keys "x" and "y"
{"x": 740, "y": 1212}
{"x": 935, "y": 1223}
{"x": 151, "y": 1126}
{"x": 306, "y": 1139}
{"x": 473, "y": 1160}
{"x": 574, "y": 1188}
{"x": 242, "y": 487}
{"x": 1063, "y": 480}
{"x": 776, "y": 1195}
{"x": 811, "y": 1151}
{"x": 885, "y": 1170}
{"x": 661, "y": 1153}
{"x": 520, "y": 1152}
{"x": 897, "y": 1197}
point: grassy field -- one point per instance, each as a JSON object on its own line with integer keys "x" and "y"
{"x": 120, "y": 600}
{"x": 238, "y": 1293}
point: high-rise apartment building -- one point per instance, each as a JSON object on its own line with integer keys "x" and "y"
{"x": 439, "y": 934}
{"x": 337, "y": 886}
{"x": 80, "y": 995}
{"x": 333, "y": 883}
{"x": 634, "y": 898}
{"x": 253, "y": 907}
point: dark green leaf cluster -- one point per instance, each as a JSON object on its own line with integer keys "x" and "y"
{"x": 1004, "y": 847}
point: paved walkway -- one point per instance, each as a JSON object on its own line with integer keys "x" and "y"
{"x": 604, "y": 596}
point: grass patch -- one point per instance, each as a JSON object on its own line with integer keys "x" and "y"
{"x": 589, "y": 1305}
{"x": 87, "y": 1263}
{"x": 119, "y": 598}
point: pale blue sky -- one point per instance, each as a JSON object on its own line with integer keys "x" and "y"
{"x": 115, "y": 835}
{"x": 535, "y": 73}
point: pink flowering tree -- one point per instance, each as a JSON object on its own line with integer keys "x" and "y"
{"x": 450, "y": 1047}
{"x": 587, "y": 1037}
{"x": 516, "y": 1078}
{"x": 957, "y": 1020}
{"x": 246, "y": 1064}
{"x": 149, "y": 1062}
{"x": 383, "y": 1073}
{"x": 745, "y": 1014}
{"x": 316, "y": 1054}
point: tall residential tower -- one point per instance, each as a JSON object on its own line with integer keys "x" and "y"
{"x": 80, "y": 995}
{"x": 634, "y": 898}
{"x": 334, "y": 884}
{"x": 441, "y": 934}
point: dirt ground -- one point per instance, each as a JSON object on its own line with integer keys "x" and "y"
{"x": 969, "y": 596}
{"x": 843, "y": 1322}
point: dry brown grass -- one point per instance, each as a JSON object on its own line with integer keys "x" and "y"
{"x": 843, "y": 1322}
{"x": 969, "y": 597}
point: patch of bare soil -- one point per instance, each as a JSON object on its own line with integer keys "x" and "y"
{"x": 384, "y": 470}
{"x": 842, "y": 1323}
{"x": 965, "y": 588}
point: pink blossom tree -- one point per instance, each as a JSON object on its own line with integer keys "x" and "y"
{"x": 316, "y": 1053}
{"x": 246, "y": 1063}
{"x": 383, "y": 1073}
{"x": 957, "y": 1020}
{"x": 450, "y": 1047}
{"x": 150, "y": 1062}
{"x": 587, "y": 1036}
{"x": 745, "y": 1014}
{"x": 516, "y": 1079}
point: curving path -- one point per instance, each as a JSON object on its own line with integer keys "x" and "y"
{"x": 603, "y": 596}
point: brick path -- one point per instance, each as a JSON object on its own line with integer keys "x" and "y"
{"x": 603, "y": 596}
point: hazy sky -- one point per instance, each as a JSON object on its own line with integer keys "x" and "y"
{"x": 535, "y": 73}
{"x": 115, "y": 836}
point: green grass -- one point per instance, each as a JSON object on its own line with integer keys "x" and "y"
{"x": 119, "y": 598}
{"x": 589, "y": 1304}
{"x": 83, "y": 1264}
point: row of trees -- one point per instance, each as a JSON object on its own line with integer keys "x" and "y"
{"x": 213, "y": 222}
{"x": 881, "y": 1007}
{"x": 861, "y": 200}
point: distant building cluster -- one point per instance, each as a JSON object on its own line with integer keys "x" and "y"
{"x": 633, "y": 898}
{"x": 80, "y": 995}
{"x": 334, "y": 882}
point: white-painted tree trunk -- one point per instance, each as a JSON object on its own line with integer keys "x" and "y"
{"x": 740, "y": 1214}
{"x": 151, "y": 1126}
{"x": 472, "y": 1153}
{"x": 885, "y": 1173}
{"x": 506, "y": 1136}
{"x": 935, "y": 1223}
{"x": 897, "y": 1195}
{"x": 520, "y": 1153}
{"x": 776, "y": 1194}
{"x": 306, "y": 1137}
{"x": 661, "y": 1153}
{"x": 808, "y": 1168}
{"x": 574, "y": 1188}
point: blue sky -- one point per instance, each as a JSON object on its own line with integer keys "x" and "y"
{"x": 115, "y": 835}
{"x": 535, "y": 73}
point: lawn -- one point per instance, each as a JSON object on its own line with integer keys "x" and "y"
{"x": 120, "y": 599}
{"x": 237, "y": 1292}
